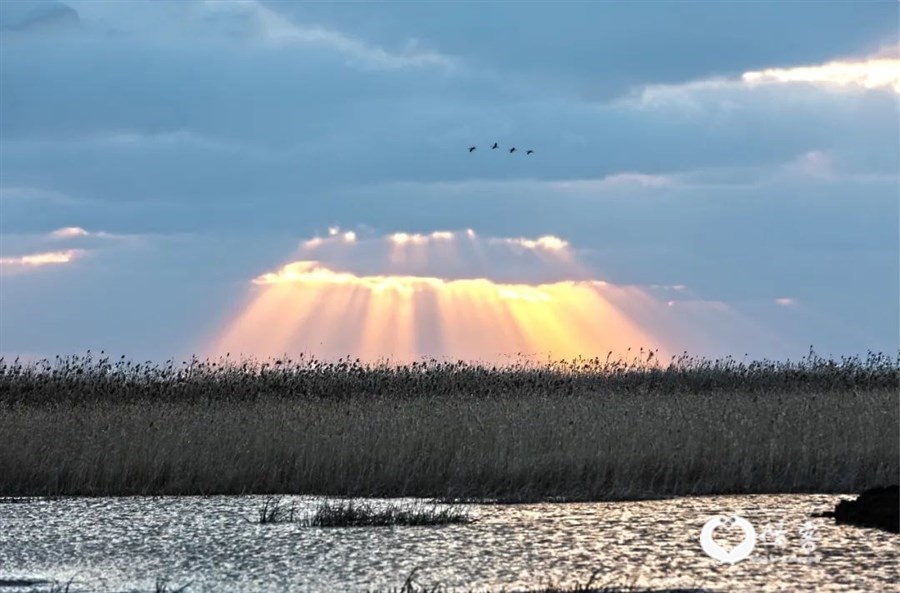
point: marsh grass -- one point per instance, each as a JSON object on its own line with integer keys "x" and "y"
{"x": 93, "y": 378}
{"x": 60, "y": 587}
{"x": 162, "y": 586}
{"x": 350, "y": 513}
{"x": 364, "y": 513}
{"x": 579, "y": 430}
{"x": 273, "y": 511}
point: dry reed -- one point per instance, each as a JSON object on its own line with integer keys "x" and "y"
{"x": 581, "y": 430}
{"x": 353, "y": 513}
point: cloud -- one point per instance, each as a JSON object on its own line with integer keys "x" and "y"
{"x": 444, "y": 253}
{"x": 240, "y": 22}
{"x": 229, "y": 143}
{"x": 33, "y": 261}
{"x": 815, "y": 165}
{"x": 614, "y": 181}
{"x": 330, "y": 313}
{"x": 409, "y": 295}
{"x": 43, "y": 249}
{"x": 243, "y": 122}
{"x": 125, "y": 138}
{"x": 355, "y": 301}
{"x": 34, "y": 194}
{"x": 871, "y": 73}
{"x": 402, "y": 239}
{"x": 69, "y": 233}
{"x": 673, "y": 42}
{"x": 545, "y": 243}
{"x": 36, "y": 16}
{"x": 138, "y": 141}
{"x": 76, "y": 232}
{"x": 276, "y": 29}
{"x": 708, "y": 305}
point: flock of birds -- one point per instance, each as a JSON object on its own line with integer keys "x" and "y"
{"x": 496, "y": 146}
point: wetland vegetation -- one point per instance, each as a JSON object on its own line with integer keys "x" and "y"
{"x": 364, "y": 513}
{"x": 589, "y": 429}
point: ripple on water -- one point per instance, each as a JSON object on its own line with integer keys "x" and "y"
{"x": 126, "y": 544}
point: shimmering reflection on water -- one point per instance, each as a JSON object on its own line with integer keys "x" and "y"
{"x": 125, "y": 544}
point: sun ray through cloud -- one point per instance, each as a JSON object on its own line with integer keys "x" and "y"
{"x": 314, "y": 307}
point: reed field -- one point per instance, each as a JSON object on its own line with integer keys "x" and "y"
{"x": 590, "y": 429}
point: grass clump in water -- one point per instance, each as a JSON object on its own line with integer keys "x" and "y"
{"x": 349, "y": 513}
{"x": 162, "y": 586}
{"x": 273, "y": 511}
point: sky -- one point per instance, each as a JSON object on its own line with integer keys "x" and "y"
{"x": 267, "y": 178}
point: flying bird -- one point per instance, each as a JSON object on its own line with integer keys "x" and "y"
{"x": 512, "y": 150}
{"x": 494, "y": 146}
{"x": 471, "y": 148}
{"x": 528, "y": 151}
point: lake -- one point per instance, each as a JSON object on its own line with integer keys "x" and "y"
{"x": 126, "y": 544}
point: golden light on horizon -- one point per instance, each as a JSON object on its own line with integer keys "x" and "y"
{"x": 307, "y": 307}
{"x": 453, "y": 294}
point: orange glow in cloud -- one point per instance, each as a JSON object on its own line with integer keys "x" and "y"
{"x": 308, "y": 306}
{"x": 37, "y": 260}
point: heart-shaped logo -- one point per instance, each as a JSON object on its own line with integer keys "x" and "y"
{"x": 719, "y": 553}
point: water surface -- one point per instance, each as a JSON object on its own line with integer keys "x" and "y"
{"x": 126, "y": 544}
